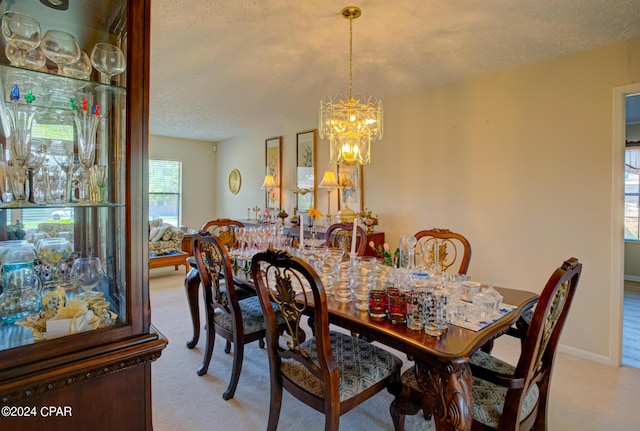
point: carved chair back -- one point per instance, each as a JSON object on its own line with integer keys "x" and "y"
{"x": 224, "y": 229}
{"x": 449, "y": 248}
{"x": 339, "y": 235}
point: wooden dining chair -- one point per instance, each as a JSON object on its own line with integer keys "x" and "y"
{"x": 339, "y": 235}
{"x": 224, "y": 230}
{"x": 331, "y": 372}
{"x": 238, "y": 321}
{"x": 452, "y": 249}
{"x": 507, "y": 397}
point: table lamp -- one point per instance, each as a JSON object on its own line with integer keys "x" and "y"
{"x": 329, "y": 182}
{"x": 268, "y": 185}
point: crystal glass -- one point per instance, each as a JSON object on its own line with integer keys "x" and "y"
{"x": 98, "y": 182}
{"x": 61, "y": 48}
{"x": 86, "y": 121}
{"x": 86, "y": 273}
{"x": 22, "y": 33}
{"x": 81, "y": 69}
{"x": 21, "y": 117}
{"x": 52, "y": 253}
{"x": 108, "y": 60}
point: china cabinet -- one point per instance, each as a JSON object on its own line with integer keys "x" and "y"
{"x": 76, "y": 344}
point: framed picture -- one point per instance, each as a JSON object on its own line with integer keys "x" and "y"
{"x": 306, "y": 169}
{"x": 273, "y": 166}
{"x": 351, "y": 187}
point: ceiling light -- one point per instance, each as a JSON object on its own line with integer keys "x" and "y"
{"x": 351, "y": 123}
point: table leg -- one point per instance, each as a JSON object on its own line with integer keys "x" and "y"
{"x": 191, "y": 285}
{"x": 448, "y": 389}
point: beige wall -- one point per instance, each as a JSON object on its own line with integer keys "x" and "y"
{"x": 198, "y": 175}
{"x": 520, "y": 162}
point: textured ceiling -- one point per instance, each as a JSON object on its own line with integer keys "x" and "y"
{"x": 221, "y": 68}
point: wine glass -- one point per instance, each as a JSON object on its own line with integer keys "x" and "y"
{"x": 22, "y": 33}
{"x": 108, "y": 60}
{"x": 61, "y": 48}
{"x": 86, "y": 273}
{"x": 98, "y": 181}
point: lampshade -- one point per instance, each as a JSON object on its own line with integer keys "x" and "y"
{"x": 351, "y": 123}
{"x": 329, "y": 181}
{"x": 269, "y": 183}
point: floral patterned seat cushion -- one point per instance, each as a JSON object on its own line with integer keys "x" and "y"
{"x": 360, "y": 365}
{"x": 488, "y": 399}
{"x": 252, "y": 318}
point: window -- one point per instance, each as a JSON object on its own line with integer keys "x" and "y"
{"x": 165, "y": 191}
{"x": 632, "y": 191}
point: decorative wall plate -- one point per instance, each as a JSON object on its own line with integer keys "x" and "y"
{"x": 235, "y": 181}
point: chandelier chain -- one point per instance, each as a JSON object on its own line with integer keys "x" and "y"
{"x": 350, "y": 56}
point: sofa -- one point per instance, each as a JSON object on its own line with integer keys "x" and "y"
{"x": 164, "y": 238}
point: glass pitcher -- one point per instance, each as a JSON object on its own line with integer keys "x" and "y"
{"x": 21, "y": 287}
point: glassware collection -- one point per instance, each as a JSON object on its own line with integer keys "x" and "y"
{"x": 47, "y": 284}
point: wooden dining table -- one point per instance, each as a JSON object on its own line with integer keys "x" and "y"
{"x": 442, "y": 363}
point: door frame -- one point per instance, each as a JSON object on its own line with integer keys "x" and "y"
{"x": 617, "y": 212}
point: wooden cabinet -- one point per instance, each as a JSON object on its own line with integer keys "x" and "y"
{"x": 100, "y": 378}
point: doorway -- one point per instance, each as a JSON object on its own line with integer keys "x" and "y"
{"x": 631, "y": 291}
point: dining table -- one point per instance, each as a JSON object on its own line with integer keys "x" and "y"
{"x": 441, "y": 363}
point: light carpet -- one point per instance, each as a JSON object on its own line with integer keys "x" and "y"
{"x": 585, "y": 395}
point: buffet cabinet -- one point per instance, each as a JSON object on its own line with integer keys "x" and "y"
{"x": 76, "y": 340}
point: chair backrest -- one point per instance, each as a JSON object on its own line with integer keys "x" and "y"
{"x": 278, "y": 277}
{"x": 224, "y": 229}
{"x": 540, "y": 344}
{"x": 214, "y": 267}
{"x": 450, "y": 247}
{"x": 339, "y": 235}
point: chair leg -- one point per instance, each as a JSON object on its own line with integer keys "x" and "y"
{"x": 208, "y": 352}
{"x": 227, "y": 347}
{"x": 275, "y": 404}
{"x": 332, "y": 420}
{"x": 261, "y": 343}
{"x": 399, "y": 408}
{"x": 238, "y": 355}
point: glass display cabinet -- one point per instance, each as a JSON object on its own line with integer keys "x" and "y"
{"x": 75, "y": 328}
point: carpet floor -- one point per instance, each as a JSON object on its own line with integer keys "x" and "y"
{"x": 585, "y": 395}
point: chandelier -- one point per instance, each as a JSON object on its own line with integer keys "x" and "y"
{"x": 351, "y": 123}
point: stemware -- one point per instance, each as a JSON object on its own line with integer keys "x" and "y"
{"x": 80, "y": 69}
{"x": 86, "y": 273}
{"x": 98, "y": 182}
{"x": 108, "y": 60}
{"x": 61, "y": 48}
{"x": 86, "y": 126}
{"x": 22, "y": 33}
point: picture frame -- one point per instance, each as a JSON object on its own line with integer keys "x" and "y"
{"x": 350, "y": 178}
{"x": 273, "y": 166}
{"x": 306, "y": 178}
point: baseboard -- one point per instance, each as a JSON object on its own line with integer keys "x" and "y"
{"x": 583, "y": 354}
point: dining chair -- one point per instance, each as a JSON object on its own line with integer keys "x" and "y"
{"x": 339, "y": 235}
{"x": 449, "y": 248}
{"x": 507, "y": 397}
{"x": 331, "y": 372}
{"x": 224, "y": 229}
{"x": 238, "y": 321}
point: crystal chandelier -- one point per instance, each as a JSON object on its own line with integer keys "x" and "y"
{"x": 351, "y": 124}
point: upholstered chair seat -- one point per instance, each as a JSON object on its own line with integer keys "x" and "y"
{"x": 360, "y": 365}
